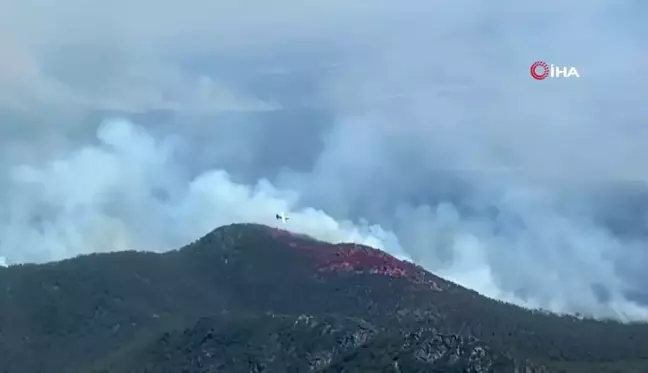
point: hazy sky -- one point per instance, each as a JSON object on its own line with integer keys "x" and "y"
{"x": 412, "y": 125}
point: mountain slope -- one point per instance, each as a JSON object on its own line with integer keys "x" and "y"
{"x": 282, "y": 343}
{"x": 124, "y": 311}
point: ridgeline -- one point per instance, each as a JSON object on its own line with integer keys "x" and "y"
{"x": 250, "y": 298}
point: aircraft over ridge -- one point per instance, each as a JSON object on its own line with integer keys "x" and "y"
{"x": 282, "y": 216}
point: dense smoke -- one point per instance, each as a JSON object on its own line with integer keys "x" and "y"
{"x": 414, "y": 127}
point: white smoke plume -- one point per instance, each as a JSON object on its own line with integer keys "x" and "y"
{"x": 411, "y": 126}
{"x": 127, "y": 193}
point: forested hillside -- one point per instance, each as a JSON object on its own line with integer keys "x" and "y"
{"x": 249, "y": 298}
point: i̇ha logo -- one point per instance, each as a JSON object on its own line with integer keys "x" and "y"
{"x": 541, "y": 70}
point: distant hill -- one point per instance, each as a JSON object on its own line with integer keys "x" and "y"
{"x": 249, "y": 298}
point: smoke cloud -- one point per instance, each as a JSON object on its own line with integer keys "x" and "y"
{"x": 415, "y": 128}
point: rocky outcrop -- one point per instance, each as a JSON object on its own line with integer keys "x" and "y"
{"x": 282, "y": 343}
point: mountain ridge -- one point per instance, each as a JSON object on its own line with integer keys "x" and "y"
{"x": 110, "y": 312}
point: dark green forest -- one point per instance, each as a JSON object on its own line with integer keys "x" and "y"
{"x": 248, "y": 298}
